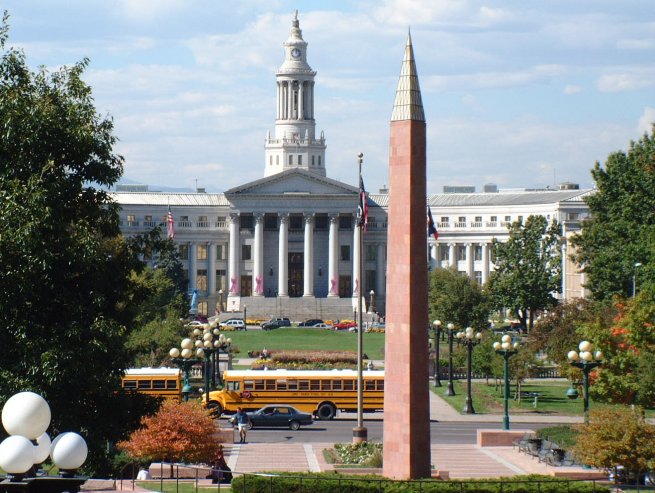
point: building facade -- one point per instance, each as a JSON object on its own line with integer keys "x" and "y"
{"x": 284, "y": 244}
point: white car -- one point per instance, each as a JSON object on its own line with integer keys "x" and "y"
{"x": 235, "y": 323}
{"x": 322, "y": 326}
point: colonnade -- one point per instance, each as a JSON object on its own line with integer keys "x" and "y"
{"x": 468, "y": 264}
{"x": 295, "y": 100}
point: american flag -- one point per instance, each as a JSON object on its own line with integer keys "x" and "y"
{"x": 170, "y": 223}
{"x": 362, "y": 209}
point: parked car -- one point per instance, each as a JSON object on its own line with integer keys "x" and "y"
{"x": 346, "y": 324}
{"x": 235, "y": 323}
{"x": 311, "y": 322}
{"x": 275, "y": 323}
{"x": 321, "y": 326}
{"x": 279, "y": 415}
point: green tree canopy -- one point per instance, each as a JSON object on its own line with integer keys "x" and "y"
{"x": 65, "y": 285}
{"x": 621, "y": 230}
{"x": 528, "y": 269}
{"x": 456, "y": 298}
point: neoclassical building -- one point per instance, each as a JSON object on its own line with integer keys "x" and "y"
{"x": 283, "y": 245}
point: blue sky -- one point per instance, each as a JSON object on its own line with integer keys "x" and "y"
{"x": 517, "y": 93}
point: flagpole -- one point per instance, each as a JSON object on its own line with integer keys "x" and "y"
{"x": 360, "y": 434}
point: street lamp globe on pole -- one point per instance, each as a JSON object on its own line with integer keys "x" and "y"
{"x": 184, "y": 360}
{"x": 506, "y": 350}
{"x": 634, "y": 279}
{"x": 437, "y": 367}
{"x": 470, "y": 339}
{"x": 586, "y": 360}
{"x": 450, "y": 389}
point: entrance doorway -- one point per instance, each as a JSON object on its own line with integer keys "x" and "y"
{"x": 246, "y": 285}
{"x": 296, "y": 279}
{"x": 345, "y": 286}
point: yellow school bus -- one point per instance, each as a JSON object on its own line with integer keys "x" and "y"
{"x": 161, "y": 382}
{"x": 319, "y": 392}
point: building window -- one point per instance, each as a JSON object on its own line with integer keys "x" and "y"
{"x": 270, "y": 160}
{"x": 277, "y": 160}
{"x": 478, "y": 276}
{"x": 246, "y": 252}
{"x": 369, "y": 283}
{"x": 345, "y": 222}
{"x": 202, "y": 252}
{"x": 203, "y": 222}
{"x": 221, "y": 277}
{"x": 371, "y": 252}
{"x": 221, "y": 222}
{"x": 201, "y": 280}
{"x": 461, "y": 252}
{"x": 571, "y": 216}
{"x": 299, "y": 159}
{"x": 270, "y": 222}
{"x": 247, "y": 222}
{"x": 290, "y": 159}
{"x": 444, "y": 219}
{"x": 477, "y": 252}
{"x": 184, "y": 252}
{"x": 319, "y": 160}
{"x": 321, "y": 222}
{"x": 221, "y": 251}
{"x": 131, "y": 220}
{"x": 521, "y": 219}
{"x": 313, "y": 159}
{"x": 295, "y": 222}
{"x": 345, "y": 252}
{"x": 494, "y": 219}
{"x": 444, "y": 254}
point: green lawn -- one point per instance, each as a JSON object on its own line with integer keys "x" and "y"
{"x": 183, "y": 486}
{"x": 296, "y": 338}
{"x": 487, "y": 398}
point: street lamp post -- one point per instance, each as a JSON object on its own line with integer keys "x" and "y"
{"x": 450, "y": 389}
{"x": 371, "y": 306}
{"x": 586, "y": 360}
{"x": 209, "y": 344}
{"x": 504, "y": 349}
{"x": 634, "y": 279}
{"x": 470, "y": 339}
{"x": 185, "y": 361}
{"x": 437, "y": 367}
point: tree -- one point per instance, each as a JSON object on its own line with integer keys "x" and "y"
{"x": 621, "y": 229}
{"x": 454, "y": 297}
{"x": 178, "y": 432}
{"x": 65, "y": 280}
{"x": 528, "y": 269}
{"x": 616, "y": 436}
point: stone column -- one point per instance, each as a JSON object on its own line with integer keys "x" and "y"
{"x": 233, "y": 255}
{"x": 434, "y": 251}
{"x": 301, "y": 99}
{"x": 469, "y": 259}
{"x": 452, "y": 255}
{"x": 211, "y": 269}
{"x": 308, "y": 274}
{"x": 380, "y": 267}
{"x": 283, "y": 256}
{"x": 333, "y": 256}
{"x": 258, "y": 259}
{"x": 193, "y": 267}
{"x": 485, "y": 263}
{"x": 356, "y": 261}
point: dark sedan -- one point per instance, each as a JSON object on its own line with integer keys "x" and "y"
{"x": 279, "y": 415}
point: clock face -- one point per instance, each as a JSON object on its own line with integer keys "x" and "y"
{"x": 295, "y": 53}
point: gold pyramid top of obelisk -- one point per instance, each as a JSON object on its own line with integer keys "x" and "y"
{"x": 408, "y": 104}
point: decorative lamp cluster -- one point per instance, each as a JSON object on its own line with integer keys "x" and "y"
{"x": 586, "y": 354}
{"x": 469, "y": 333}
{"x": 26, "y": 417}
{"x": 207, "y": 338}
{"x": 505, "y": 344}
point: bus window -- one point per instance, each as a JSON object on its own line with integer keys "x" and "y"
{"x": 349, "y": 385}
{"x": 380, "y": 385}
{"x": 129, "y": 384}
{"x": 145, "y": 384}
{"x": 233, "y": 386}
{"x": 293, "y": 384}
{"x": 270, "y": 384}
{"x": 326, "y": 384}
{"x": 304, "y": 385}
{"x": 259, "y": 384}
{"x": 248, "y": 385}
{"x": 171, "y": 384}
{"x": 158, "y": 384}
{"x": 337, "y": 384}
{"x": 315, "y": 384}
{"x": 281, "y": 384}
{"x": 369, "y": 385}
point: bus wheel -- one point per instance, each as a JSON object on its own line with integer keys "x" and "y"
{"x": 215, "y": 409}
{"x": 326, "y": 411}
{"x": 294, "y": 425}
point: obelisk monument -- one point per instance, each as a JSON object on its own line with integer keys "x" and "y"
{"x": 406, "y": 401}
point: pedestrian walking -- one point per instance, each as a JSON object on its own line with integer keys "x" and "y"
{"x": 242, "y": 421}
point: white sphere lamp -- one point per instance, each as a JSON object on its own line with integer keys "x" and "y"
{"x": 26, "y": 414}
{"x": 16, "y": 454}
{"x": 69, "y": 451}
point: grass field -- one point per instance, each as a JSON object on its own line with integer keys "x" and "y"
{"x": 297, "y": 338}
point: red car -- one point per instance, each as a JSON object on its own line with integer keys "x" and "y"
{"x": 345, "y": 325}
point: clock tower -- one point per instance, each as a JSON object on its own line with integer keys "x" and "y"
{"x": 295, "y": 145}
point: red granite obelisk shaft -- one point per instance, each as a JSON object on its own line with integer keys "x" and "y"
{"x": 406, "y": 400}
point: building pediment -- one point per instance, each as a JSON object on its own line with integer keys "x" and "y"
{"x": 291, "y": 182}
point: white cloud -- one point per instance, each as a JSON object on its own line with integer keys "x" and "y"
{"x": 636, "y": 44}
{"x": 148, "y": 11}
{"x": 627, "y": 80}
{"x": 646, "y": 121}
{"x": 572, "y": 89}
